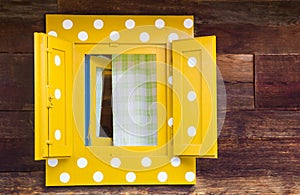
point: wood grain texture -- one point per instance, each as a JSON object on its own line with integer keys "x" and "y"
{"x": 16, "y": 142}
{"x": 241, "y": 27}
{"x": 26, "y": 8}
{"x": 209, "y": 12}
{"x": 258, "y": 153}
{"x": 16, "y": 81}
{"x": 33, "y": 183}
{"x": 18, "y": 21}
{"x": 237, "y": 74}
{"x": 16, "y": 35}
{"x": 249, "y": 38}
{"x": 277, "y": 81}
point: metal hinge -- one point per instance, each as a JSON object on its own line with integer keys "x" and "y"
{"x": 50, "y": 98}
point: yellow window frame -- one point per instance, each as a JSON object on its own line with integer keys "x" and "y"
{"x": 171, "y": 163}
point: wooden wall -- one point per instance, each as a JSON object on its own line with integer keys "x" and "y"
{"x": 258, "y": 47}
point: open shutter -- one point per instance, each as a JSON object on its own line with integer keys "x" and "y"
{"x": 53, "y": 97}
{"x": 194, "y": 97}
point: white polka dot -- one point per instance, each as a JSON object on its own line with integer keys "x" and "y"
{"x": 114, "y": 36}
{"x": 192, "y": 96}
{"x": 188, "y": 23}
{"x": 170, "y": 80}
{"x": 57, "y": 94}
{"x": 170, "y": 122}
{"x": 115, "y": 162}
{"x": 162, "y": 176}
{"x": 67, "y": 24}
{"x": 64, "y": 177}
{"x": 191, "y": 131}
{"x": 159, "y": 23}
{"x": 175, "y": 161}
{"x": 98, "y": 176}
{"x": 98, "y": 24}
{"x": 82, "y": 163}
{"x": 57, "y": 134}
{"x": 146, "y": 162}
{"x": 130, "y": 24}
{"x": 192, "y": 61}
{"x": 57, "y": 60}
{"x": 52, "y": 162}
{"x": 144, "y": 37}
{"x": 83, "y": 36}
{"x": 189, "y": 176}
{"x": 130, "y": 177}
{"x": 52, "y": 33}
{"x": 173, "y": 36}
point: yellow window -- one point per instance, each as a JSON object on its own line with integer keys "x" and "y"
{"x": 126, "y": 96}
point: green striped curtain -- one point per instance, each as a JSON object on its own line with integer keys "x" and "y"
{"x": 134, "y": 100}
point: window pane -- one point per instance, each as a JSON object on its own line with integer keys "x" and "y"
{"x": 134, "y": 100}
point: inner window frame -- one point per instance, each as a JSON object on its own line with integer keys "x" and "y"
{"x": 164, "y": 134}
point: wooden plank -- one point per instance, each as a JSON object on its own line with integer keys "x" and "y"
{"x": 277, "y": 81}
{"x": 237, "y": 74}
{"x": 16, "y": 34}
{"x": 16, "y": 81}
{"x": 33, "y": 182}
{"x": 241, "y": 27}
{"x": 209, "y": 12}
{"x": 18, "y": 21}
{"x": 236, "y": 67}
{"x": 248, "y": 38}
{"x": 16, "y": 142}
{"x": 27, "y": 8}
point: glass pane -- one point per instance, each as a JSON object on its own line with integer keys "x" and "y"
{"x": 134, "y": 100}
{"x": 126, "y": 99}
{"x": 104, "y": 126}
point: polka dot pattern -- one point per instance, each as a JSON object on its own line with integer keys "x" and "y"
{"x": 173, "y": 36}
{"x": 114, "y": 36}
{"x": 82, "y": 162}
{"x": 188, "y": 23}
{"x": 98, "y": 24}
{"x": 175, "y": 161}
{"x": 192, "y": 62}
{"x": 170, "y": 122}
{"x": 146, "y": 162}
{"x": 64, "y": 177}
{"x": 130, "y": 24}
{"x": 192, "y": 96}
{"x": 159, "y": 23}
{"x": 57, "y": 134}
{"x": 191, "y": 131}
{"x": 170, "y": 80}
{"x": 98, "y": 176}
{"x": 57, "y": 94}
{"x": 144, "y": 37}
{"x": 115, "y": 162}
{"x": 57, "y": 60}
{"x": 130, "y": 177}
{"x": 52, "y": 162}
{"x": 162, "y": 176}
{"x": 83, "y": 36}
{"x": 67, "y": 24}
{"x": 52, "y": 33}
{"x": 189, "y": 176}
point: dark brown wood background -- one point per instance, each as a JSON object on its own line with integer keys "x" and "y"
{"x": 258, "y": 53}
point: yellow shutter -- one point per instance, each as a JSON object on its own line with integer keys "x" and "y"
{"x": 194, "y": 97}
{"x": 53, "y": 97}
